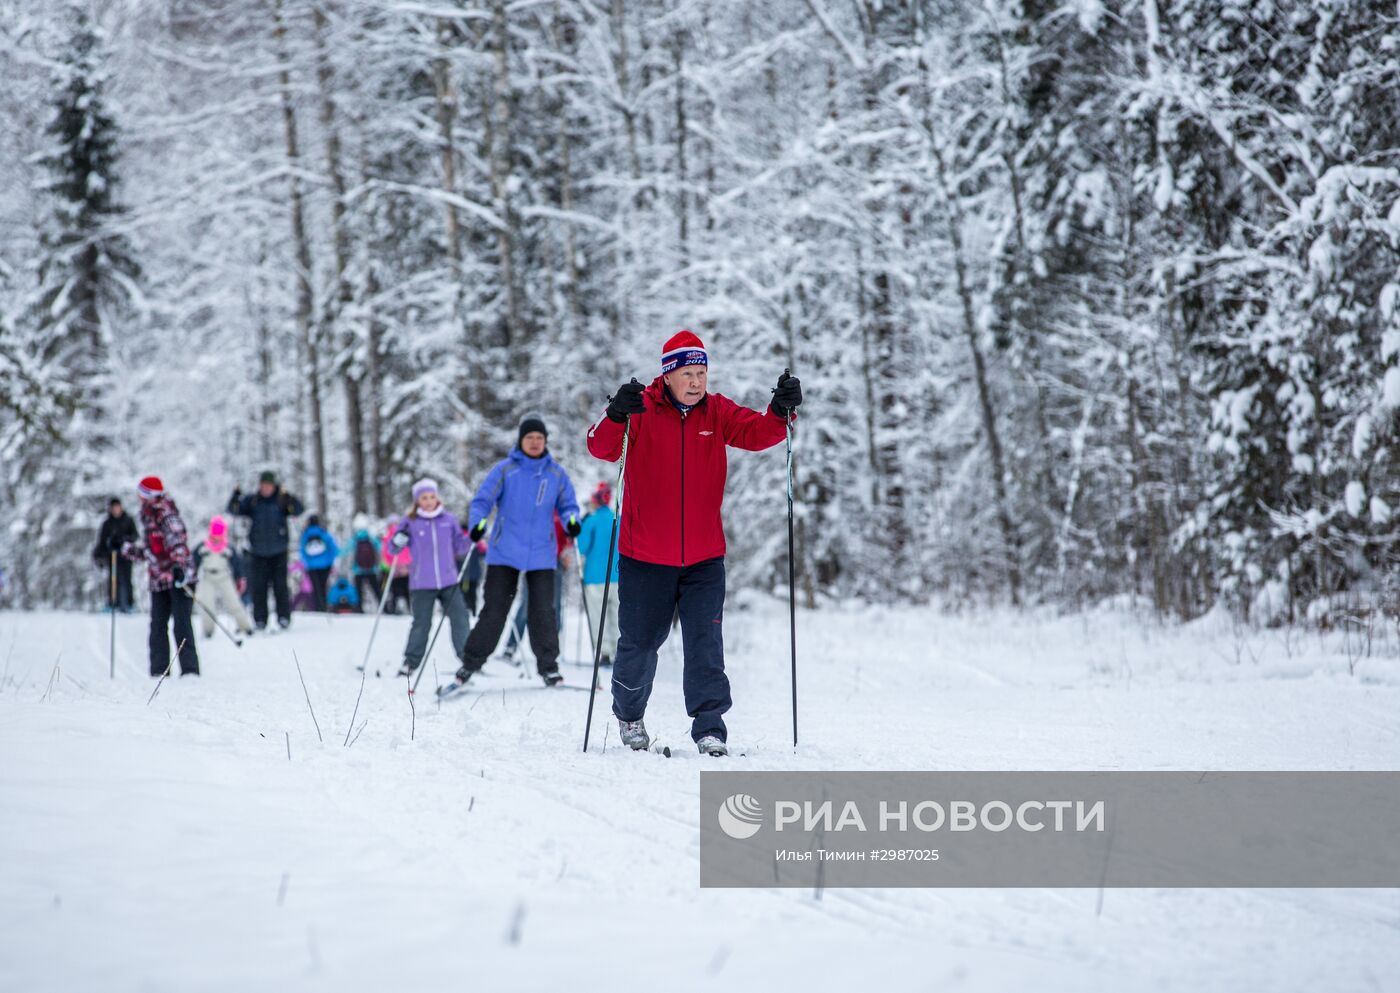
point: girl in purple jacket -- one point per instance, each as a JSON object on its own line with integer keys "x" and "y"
{"x": 437, "y": 542}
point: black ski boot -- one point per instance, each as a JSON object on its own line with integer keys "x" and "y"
{"x": 464, "y": 676}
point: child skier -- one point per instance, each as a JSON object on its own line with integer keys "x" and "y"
{"x": 437, "y": 541}
{"x": 318, "y": 554}
{"x": 214, "y": 563}
{"x": 167, "y": 556}
{"x": 365, "y": 569}
{"x": 342, "y": 597}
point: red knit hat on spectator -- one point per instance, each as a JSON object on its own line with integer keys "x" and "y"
{"x": 603, "y": 494}
{"x": 150, "y": 488}
{"x": 682, "y": 349}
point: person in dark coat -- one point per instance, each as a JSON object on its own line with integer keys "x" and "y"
{"x": 118, "y": 528}
{"x": 268, "y": 536}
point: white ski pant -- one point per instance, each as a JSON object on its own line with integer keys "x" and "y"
{"x": 593, "y": 593}
{"x": 218, "y": 594}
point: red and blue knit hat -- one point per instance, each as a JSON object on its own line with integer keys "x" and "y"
{"x": 682, "y": 349}
{"x": 150, "y": 487}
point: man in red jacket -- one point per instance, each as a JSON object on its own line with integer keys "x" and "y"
{"x": 671, "y": 537}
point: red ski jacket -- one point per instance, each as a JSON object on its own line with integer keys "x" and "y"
{"x": 166, "y": 543}
{"x": 677, "y": 465}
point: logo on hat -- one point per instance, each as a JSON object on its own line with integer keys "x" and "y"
{"x": 740, "y": 816}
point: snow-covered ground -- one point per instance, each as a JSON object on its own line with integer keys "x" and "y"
{"x": 174, "y": 846}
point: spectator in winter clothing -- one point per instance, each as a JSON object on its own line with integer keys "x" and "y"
{"x": 365, "y": 569}
{"x": 168, "y": 565}
{"x": 342, "y": 596}
{"x": 671, "y": 536}
{"x": 399, "y": 564}
{"x": 215, "y": 563}
{"x": 117, "y": 530}
{"x": 267, "y": 510}
{"x": 437, "y": 541}
{"x": 318, "y": 554}
{"x": 593, "y": 547}
{"x": 525, "y": 490}
{"x": 299, "y": 588}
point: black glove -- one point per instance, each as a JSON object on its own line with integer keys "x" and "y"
{"x": 400, "y": 538}
{"x": 787, "y": 395}
{"x": 177, "y": 576}
{"x": 572, "y": 527}
{"x": 115, "y": 542}
{"x": 478, "y": 531}
{"x": 627, "y": 401}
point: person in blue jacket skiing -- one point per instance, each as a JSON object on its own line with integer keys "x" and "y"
{"x": 318, "y": 554}
{"x": 593, "y": 547}
{"x": 524, "y": 490}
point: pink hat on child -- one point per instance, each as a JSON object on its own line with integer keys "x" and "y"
{"x": 218, "y": 535}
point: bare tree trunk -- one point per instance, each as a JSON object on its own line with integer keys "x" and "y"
{"x": 984, "y": 391}
{"x": 867, "y": 372}
{"x": 954, "y": 223}
{"x": 565, "y": 37}
{"x": 500, "y": 142}
{"x": 350, "y": 372}
{"x": 374, "y": 441}
{"x": 302, "y": 247}
{"x": 629, "y": 113}
{"x": 682, "y": 178}
{"x": 445, "y": 109}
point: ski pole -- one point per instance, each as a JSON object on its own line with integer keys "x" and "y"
{"x": 112, "y": 636}
{"x": 457, "y": 587}
{"x": 607, "y": 579}
{"x": 578, "y": 630}
{"x": 792, "y": 582}
{"x": 217, "y": 623}
{"x": 364, "y": 667}
{"x": 792, "y": 570}
{"x": 583, "y": 592}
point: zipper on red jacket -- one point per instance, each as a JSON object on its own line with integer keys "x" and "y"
{"x": 683, "y": 486}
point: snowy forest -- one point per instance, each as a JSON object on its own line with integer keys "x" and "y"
{"x": 1088, "y": 299}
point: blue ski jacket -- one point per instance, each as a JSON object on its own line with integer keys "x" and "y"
{"x": 318, "y": 548}
{"x": 524, "y": 493}
{"x": 593, "y": 546}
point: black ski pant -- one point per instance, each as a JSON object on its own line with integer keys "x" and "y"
{"x": 320, "y": 580}
{"x": 369, "y": 583}
{"x": 167, "y": 606}
{"x": 398, "y": 590}
{"x": 499, "y": 594}
{"x": 649, "y": 596}
{"x": 125, "y": 598}
{"x": 265, "y": 571}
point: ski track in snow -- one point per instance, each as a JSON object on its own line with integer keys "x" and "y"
{"x": 174, "y": 846}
